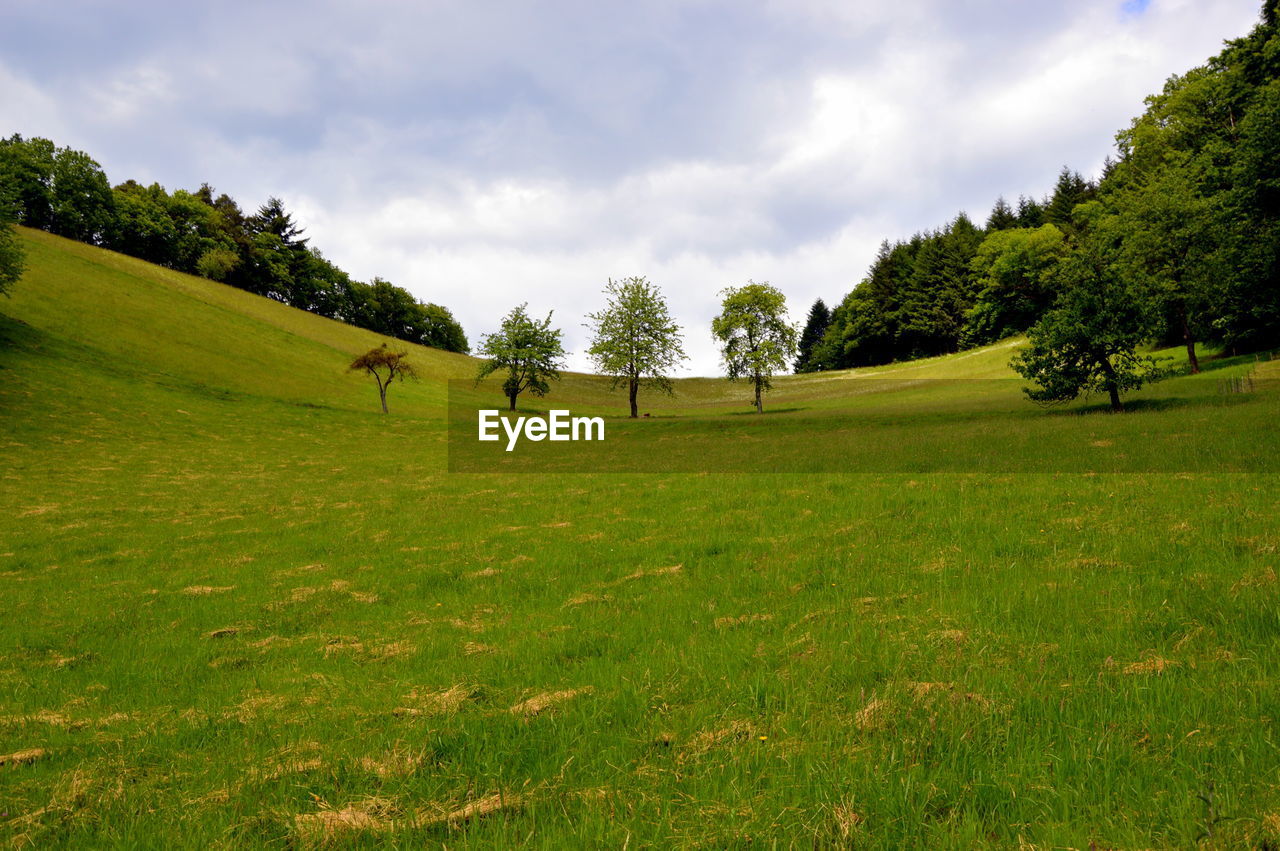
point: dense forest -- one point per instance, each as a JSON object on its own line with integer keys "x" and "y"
{"x": 65, "y": 192}
{"x": 1185, "y": 221}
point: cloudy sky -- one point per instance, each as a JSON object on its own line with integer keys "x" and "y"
{"x": 482, "y": 154}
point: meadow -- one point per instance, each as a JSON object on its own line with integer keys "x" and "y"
{"x": 904, "y": 608}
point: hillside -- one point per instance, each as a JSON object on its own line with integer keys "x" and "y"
{"x": 245, "y": 609}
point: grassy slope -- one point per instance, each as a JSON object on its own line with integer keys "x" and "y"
{"x": 244, "y": 608}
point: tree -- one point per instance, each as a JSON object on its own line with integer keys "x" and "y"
{"x": 1172, "y": 248}
{"x": 1014, "y": 269}
{"x": 1087, "y": 343}
{"x": 530, "y": 351}
{"x": 1002, "y": 216}
{"x": 1070, "y": 190}
{"x": 1030, "y": 212}
{"x": 385, "y": 366}
{"x": 634, "y": 339}
{"x": 12, "y": 255}
{"x": 755, "y": 338}
{"x": 815, "y": 328}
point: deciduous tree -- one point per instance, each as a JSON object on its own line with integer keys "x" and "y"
{"x": 530, "y": 351}
{"x": 1088, "y": 342}
{"x": 385, "y": 366}
{"x": 756, "y": 340}
{"x": 634, "y": 339}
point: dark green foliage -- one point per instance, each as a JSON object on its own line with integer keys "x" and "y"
{"x": 1088, "y": 342}
{"x": 1014, "y": 270}
{"x": 1071, "y": 190}
{"x": 12, "y": 256}
{"x": 1030, "y": 212}
{"x": 811, "y": 337}
{"x": 56, "y": 189}
{"x": 1002, "y": 216}
{"x": 1192, "y": 205}
{"x": 65, "y": 192}
{"x": 531, "y": 353}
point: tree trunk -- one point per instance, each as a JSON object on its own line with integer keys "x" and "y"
{"x": 1191, "y": 344}
{"x": 759, "y": 404}
{"x": 1115, "y": 397}
{"x": 512, "y": 397}
{"x": 1112, "y": 389}
{"x": 382, "y": 392}
{"x": 634, "y": 387}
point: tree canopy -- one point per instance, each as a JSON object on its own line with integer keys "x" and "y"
{"x": 755, "y": 338}
{"x": 203, "y": 233}
{"x": 529, "y": 350}
{"x": 384, "y": 366}
{"x": 634, "y": 340}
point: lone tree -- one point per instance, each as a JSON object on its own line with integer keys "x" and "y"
{"x": 385, "y": 366}
{"x": 755, "y": 338}
{"x": 634, "y": 339}
{"x": 1087, "y": 343}
{"x": 530, "y": 351}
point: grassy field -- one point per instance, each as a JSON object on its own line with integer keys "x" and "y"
{"x": 242, "y": 608}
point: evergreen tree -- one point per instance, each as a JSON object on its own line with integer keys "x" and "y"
{"x": 1002, "y": 216}
{"x": 1070, "y": 190}
{"x": 815, "y": 328}
{"x": 1030, "y": 212}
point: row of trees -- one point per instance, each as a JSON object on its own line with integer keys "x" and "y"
{"x": 635, "y": 342}
{"x": 1183, "y": 229}
{"x": 65, "y": 192}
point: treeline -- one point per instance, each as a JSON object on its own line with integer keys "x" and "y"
{"x": 1186, "y": 221}
{"x": 65, "y": 192}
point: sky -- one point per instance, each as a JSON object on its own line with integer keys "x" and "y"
{"x": 484, "y": 154}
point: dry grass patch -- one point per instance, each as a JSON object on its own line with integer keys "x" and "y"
{"x": 540, "y": 703}
{"x": 205, "y": 590}
{"x": 23, "y": 757}
{"x": 586, "y": 598}
{"x": 847, "y": 820}
{"x": 342, "y": 645}
{"x": 477, "y": 809}
{"x": 741, "y": 620}
{"x": 670, "y": 570}
{"x": 394, "y": 763}
{"x": 480, "y": 574}
{"x": 445, "y": 702}
{"x": 1263, "y": 579}
{"x": 370, "y": 815}
{"x": 874, "y": 716}
{"x": 948, "y": 636}
{"x": 1153, "y": 665}
{"x": 382, "y": 815}
{"x": 705, "y": 741}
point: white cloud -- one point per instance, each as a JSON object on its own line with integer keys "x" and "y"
{"x": 485, "y": 155}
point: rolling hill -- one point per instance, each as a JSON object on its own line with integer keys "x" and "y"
{"x": 904, "y": 608}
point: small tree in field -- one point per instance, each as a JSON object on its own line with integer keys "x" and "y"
{"x": 755, "y": 338}
{"x": 635, "y": 340}
{"x": 530, "y": 352}
{"x": 385, "y": 366}
{"x": 1088, "y": 342}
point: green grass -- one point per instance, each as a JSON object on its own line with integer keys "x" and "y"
{"x": 242, "y": 608}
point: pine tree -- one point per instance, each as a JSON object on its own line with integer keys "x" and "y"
{"x": 1002, "y": 216}
{"x": 810, "y": 339}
